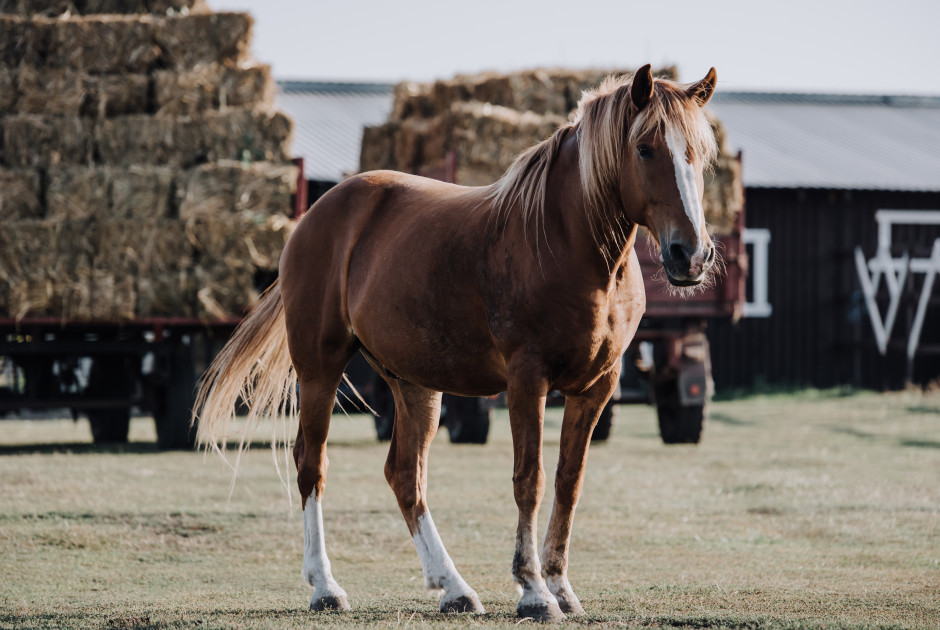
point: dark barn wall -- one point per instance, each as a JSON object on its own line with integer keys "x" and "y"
{"x": 819, "y": 333}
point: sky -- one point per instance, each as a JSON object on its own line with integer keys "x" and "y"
{"x": 861, "y": 46}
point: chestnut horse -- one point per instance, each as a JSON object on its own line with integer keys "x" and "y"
{"x": 525, "y": 286}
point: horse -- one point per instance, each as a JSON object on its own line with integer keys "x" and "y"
{"x": 525, "y": 286}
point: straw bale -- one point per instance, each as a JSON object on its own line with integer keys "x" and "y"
{"x": 66, "y": 92}
{"x": 8, "y": 93}
{"x": 43, "y": 264}
{"x": 235, "y": 134}
{"x": 31, "y": 140}
{"x": 80, "y": 192}
{"x": 53, "y": 8}
{"x": 104, "y": 43}
{"x": 76, "y": 192}
{"x": 191, "y": 40}
{"x": 246, "y": 135}
{"x": 143, "y": 139}
{"x": 24, "y": 41}
{"x": 378, "y": 147}
{"x": 230, "y": 251}
{"x": 544, "y": 91}
{"x": 20, "y": 195}
{"x": 140, "y": 191}
{"x": 227, "y": 187}
{"x": 213, "y": 86}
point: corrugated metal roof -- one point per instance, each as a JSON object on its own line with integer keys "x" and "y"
{"x": 787, "y": 140}
{"x": 328, "y": 122}
{"x": 834, "y": 141}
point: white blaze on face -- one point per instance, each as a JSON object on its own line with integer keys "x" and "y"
{"x": 685, "y": 179}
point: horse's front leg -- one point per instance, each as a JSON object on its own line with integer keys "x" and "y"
{"x": 526, "y": 413}
{"x": 581, "y": 415}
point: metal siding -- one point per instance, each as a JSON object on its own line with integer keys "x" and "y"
{"x": 816, "y": 337}
{"x": 833, "y": 141}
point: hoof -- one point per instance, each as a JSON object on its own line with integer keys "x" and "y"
{"x": 541, "y": 612}
{"x": 568, "y": 603}
{"x": 329, "y": 602}
{"x": 569, "y": 606}
{"x": 465, "y": 603}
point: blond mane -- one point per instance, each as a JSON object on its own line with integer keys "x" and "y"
{"x": 602, "y": 123}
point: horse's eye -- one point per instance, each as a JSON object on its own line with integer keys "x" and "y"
{"x": 645, "y": 152}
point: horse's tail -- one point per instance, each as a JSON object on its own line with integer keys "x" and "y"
{"x": 254, "y": 367}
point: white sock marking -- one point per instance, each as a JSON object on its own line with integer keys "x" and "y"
{"x": 439, "y": 570}
{"x": 685, "y": 179}
{"x": 316, "y": 568}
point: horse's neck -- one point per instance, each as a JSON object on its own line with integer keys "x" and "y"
{"x": 568, "y": 214}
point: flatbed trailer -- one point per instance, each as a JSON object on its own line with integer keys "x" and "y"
{"x": 105, "y": 369}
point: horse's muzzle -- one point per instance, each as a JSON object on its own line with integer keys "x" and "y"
{"x": 687, "y": 267}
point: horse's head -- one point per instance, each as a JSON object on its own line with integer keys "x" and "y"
{"x": 644, "y": 144}
{"x": 669, "y": 145}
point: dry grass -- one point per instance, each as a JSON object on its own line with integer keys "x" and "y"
{"x": 801, "y": 511}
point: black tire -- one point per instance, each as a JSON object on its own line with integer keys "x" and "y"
{"x": 677, "y": 424}
{"x": 110, "y": 426}
{"x": 467, "y": 419}
{"x": 110, "y": 376}
{"x": 384, "y": 425}
{"x": 604, "y": 424}
{"x": 173, "y": 399}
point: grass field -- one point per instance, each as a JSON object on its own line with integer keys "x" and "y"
{"x": 810, "y": 510}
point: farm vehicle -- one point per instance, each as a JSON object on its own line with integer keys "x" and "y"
{"x": 105, "y": 369}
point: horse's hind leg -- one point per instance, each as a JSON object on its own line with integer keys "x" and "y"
{"x": 316, "y": 406}
{"x": 417, "y": 416}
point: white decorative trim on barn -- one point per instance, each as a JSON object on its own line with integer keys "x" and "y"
{"x": 757, "y": 304}
{"x": 895, "y": 272}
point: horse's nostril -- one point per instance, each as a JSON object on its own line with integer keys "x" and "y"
{"x": 677, "y": 253}
{"x": 710, "y": 254}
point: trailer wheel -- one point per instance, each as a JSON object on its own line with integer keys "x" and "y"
{"x": 109, "y": 376}
{"x": 384, "y": 425}
{"x": 110, "y": 426}
{"x": 678, "y": 424}
{"x": 173, "y": 399}
{"x": 604, "y": 424}
{"x": 467, "y": 419}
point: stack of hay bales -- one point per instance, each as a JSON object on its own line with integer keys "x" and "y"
{"x": 143, "y": 171}
{"x": 481, "y": 122}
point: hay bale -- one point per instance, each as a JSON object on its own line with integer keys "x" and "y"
{"x": 66, "y": 92}
{"x": 44, "y": 263}
{"x": 142, "y": 139}
{"x": 235, "y": 134}
{"x": 104, "y": 43}
{"x": 20, "y": 195}
{"x": 213, "y": 86}
{"x": 227, "y": 187}
{"x": 140, "y": 191}
{"x": 80, "y": 192}
{"x": 56, "y": 8}
{"x": 188, "y": 41}
{"x": 30, "y": 140}
{"x": 8, "y": 93}
{"x": 76, "y": 192}
{"x": 246, "y": 135}
{"x": 24, "y": 41}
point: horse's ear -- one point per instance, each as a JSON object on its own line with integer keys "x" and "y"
{"x": 641, "y": 89}
{"x": 702, "y": 91}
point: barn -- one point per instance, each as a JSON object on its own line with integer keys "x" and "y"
{"x": 829, "y": 260}
{"x": 843, "y": 220}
